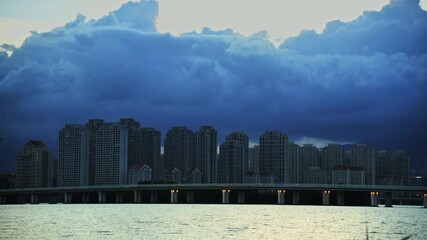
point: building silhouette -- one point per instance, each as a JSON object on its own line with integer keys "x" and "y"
{"x": 150, "y": 144}
{"x": 233, "y": 158}
{"x": 361, "y": 155}
{"x": 332, "y": 155}
{"x": 100, "y": 153}
{"x": 179, "y": 149}
{"x": 35, "y": 166}
{"x": 293, "y": 164}
{"x": 309, "y": 158}
{"x": 206, "y": 151}
{"x": 272, "y": 145}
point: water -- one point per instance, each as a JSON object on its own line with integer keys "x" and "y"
{"x": 193, "y": 221}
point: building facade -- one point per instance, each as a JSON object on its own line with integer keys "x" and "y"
{"x": 361, "y": 155}
{"x": 272, "y": 145}
{"x": 206, "y": 151}
{"x": 179, "y": 149}
{"x": 233, "y": 158}
{"x": 35, "y": 166}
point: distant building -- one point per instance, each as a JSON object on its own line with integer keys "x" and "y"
{"x": 206, "y": 151}
{"x": 7, "y": 180}
{"x": 332, "y": 155}
{"x": 363, "y": 156}
{"x": 266, "y": 178}
{"x": 345, "y": 175}
{"x": 179, "y": 149}
{"x": 272, "y": 147}
{"x": 309, "y": 158}
{"x": 393, "y": 168}
{"x": 253, "y": 159}
{"x": 233, "y": 158}
{"x": 35, "y": 166}
{"x": 172, "y": 175}
{"x": 140, "y": 173}
{"x": 314, "y": 175}
{"x": 193, "y": 176}
{"x": 293, "y": 164}
{"x": 150, "y": 151}
{"x": 99, "y": 153}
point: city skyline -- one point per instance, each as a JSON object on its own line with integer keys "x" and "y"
{"x": 348, "y": 81}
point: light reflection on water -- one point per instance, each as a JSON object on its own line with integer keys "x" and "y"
{"x": 182, "y": 221}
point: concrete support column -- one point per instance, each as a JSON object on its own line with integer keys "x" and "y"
{"x": 225, "y": 196}
{"x": 154, "y": 196}
{"x": 281, "y": 197}
{"x": 85, "y": 198}
{"x": 2, "y": 199}
{"x": 325, "y": 197}
{"x": 102, "y": 197}
{"x": 295, "y": 197}
{"x": 241, "y": 197}
{"x": 137, "y": 196}
{"x": 374, "y": 199}
{"x": 174, "y": 196}
{"x": 340, "y": 198}
{"x": 68, "y": 198}
{"x": 388, "y": 199}
{"x": 119, "y": 197}
{"x": 190, "y": 196}
{"x": 425, "y": 200}
{"x": 34, "y": 198}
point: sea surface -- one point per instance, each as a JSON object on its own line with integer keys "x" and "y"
{"x": 209, "y": 221}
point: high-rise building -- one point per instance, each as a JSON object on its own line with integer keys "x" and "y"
{"x": 253, "y": 159}
{"x": 382, "y": 167}
{"x": 206, "y": 150}
{"x": 400, "y": 167}
{"x": 73, "y": 168}
{"x": 309, "y": 158}
{"x": 233, "y": 158}
{"x": 179, "y": 149}
{"x": 292, "y": 164}
{"x": 112, "y": 154}
{"x": 272, "y": 154}
{"x": 35, "y": 166}
{"x": 99, "y": 152}
{"x": 150, "y": 151}
{"x": 363, "y": 156}
{"x": 332, "y": 155}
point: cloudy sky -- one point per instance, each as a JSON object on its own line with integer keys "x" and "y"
{"x": 321, "y": 72}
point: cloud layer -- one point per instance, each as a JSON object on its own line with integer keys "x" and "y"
{"x": 364, "y": 80}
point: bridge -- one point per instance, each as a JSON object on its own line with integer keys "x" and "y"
{"x": 135, "y": 193}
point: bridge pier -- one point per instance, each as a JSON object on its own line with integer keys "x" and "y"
{"x": 154, "y": 195}
{"x": 340, "y": 198}
{"x": 34, "y": 198}
{"x": 102, "y": 197}
{"x": 225, "y": 196}
{"x": 190, "y": 196}
{"x": 241, "y": 196}
{"x": 119, "y": 197}
{"x": 325, "y": 197}
{"x": 295, "y": 197}
{"x": 281, "y": 197}
{"x": 85, "y": 198}
{"x": 388, "y": 199}
{"x": 68, "y": 197}
{"x": 174, "y": 196}
{"x": 425, "y": 200}
{"x": 137, "y": 196}
{"x": 374, "y": 199}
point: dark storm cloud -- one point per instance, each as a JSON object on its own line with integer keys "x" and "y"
{"x": 315, "y": 85}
